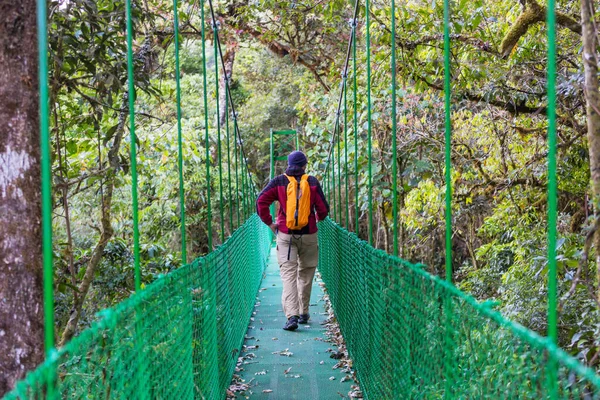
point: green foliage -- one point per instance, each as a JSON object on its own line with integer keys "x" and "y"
{"x": 287, "y": 58}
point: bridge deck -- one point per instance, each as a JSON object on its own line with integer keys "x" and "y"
{"x": 305, "y": 351}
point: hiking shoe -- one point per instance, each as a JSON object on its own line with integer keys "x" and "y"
{"x": 292, "y": 323}
{"x": 303, "y": 318}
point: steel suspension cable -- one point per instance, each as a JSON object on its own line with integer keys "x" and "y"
{"x": 179, "y": 135}
{"x": 394, "y": 132}
{"x": 552, "y": 194}
{"x": 218, "y": 114}
{"x": 206, "y": 131}
{"x": 369, "y": 121}
{"x": 132, "y": 145}
{"x": 228, "y": 88}
{"x": 330, "y": 156}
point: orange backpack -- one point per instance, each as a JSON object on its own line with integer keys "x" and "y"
{"x": 298, "y": 203}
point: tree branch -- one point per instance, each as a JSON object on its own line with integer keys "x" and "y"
{"x": 532, "y": 14}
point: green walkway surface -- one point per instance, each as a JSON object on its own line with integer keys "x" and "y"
{"x": 304, "y": 354}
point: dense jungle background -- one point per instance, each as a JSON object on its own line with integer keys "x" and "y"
{"x": 285, "y": 60}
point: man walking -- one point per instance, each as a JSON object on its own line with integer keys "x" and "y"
{"x": 301, "y": 204}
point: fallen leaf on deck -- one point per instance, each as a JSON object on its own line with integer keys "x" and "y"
{"x": 285, "y": 352}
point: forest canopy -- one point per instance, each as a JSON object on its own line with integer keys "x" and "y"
{"x": 284, "y": 61}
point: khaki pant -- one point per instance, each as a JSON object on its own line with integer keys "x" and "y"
{"x": 298, "y": 271}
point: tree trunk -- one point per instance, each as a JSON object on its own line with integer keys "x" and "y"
{"x": 229, "y": 59}
{"x": 107, "y": 229}
{"x": 114, "y": 162}
{"x": 21, "y": 311}
{"x": 592, "y": 97}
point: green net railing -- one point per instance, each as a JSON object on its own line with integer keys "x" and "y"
{"x": 176, "y": 339}
{"x": 412, "y": 335}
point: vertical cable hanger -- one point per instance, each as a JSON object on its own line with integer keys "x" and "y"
{"x": 179, "y": 134}
{"x": 215, "y": 26}
{"x": 369, "y": 121}
{"x": 206, "y": 132}
{"x": 132, "y": 145}
{"x": 394, "y": 133}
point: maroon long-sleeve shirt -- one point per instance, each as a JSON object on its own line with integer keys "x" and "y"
{"x": 276, "y": 190}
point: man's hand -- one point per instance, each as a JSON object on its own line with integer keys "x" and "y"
{"x": 273, "y": 228}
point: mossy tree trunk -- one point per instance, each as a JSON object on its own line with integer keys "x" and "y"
{"x": 21, "y": 311}
{"x": 592, "y": 98}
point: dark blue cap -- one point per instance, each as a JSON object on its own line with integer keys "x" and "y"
{"x": 297, "y": 159}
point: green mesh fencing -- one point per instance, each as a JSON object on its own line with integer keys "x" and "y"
{"x": 177, "y": 339}
{"x": 414, "y": 336}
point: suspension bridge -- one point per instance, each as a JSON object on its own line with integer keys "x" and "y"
{"x": 410, "y": 335}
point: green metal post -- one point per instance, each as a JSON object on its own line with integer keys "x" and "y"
{"x": 140, "y": 373}
{"x": 332, "y": 164}
{"x": 221, "y": 213}
{"x": 133, "y": 155}
{"x": 552, "y": 181}
{"x": 355, "y": 120}
{"x": 448, "y": 140}
{"x": 339, "y": 182}
{"x": 394, "y": 132}
{"x": 206, "y": 138}
{"x": 448, "y": 345}
{"x": 179, "y": 135}
{"x": 248, "y": 191}
{"x": 346, "y": 149}
{"x": 369, "y": 122}
{"x": 325, "y": 189}
{"x": 272, "y": 170}
{"x": 552, "y": 195}
{"x": 244, "y": 199}
{"x": 46, "y": 172}
{"x": 228, "y": 157}
{"x": 237, "y": 182}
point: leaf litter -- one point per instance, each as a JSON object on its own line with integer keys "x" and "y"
{"x": 334, "y": 336}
